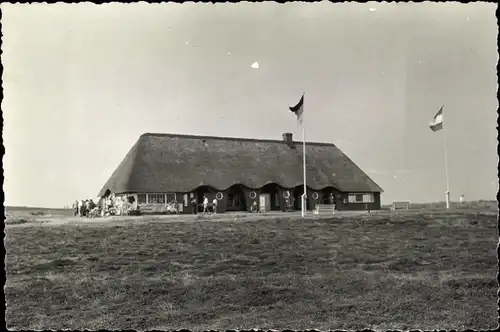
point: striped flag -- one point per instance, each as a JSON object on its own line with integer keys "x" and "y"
{"x": 437, "y": 123}
{"x": 299, "y": 111}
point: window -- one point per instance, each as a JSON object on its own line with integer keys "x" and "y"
{"x": 171, "y": 197}
{"x": 141, "y": 198}
{"x": 361, "y": 198}
{"x": 156, "y": 199}
{"x": 368, "y": 198}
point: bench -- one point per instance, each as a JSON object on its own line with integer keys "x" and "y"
{"x": 325, "y": 209}
{"x": 145, "y": 209}
{"x": 400, "y": 205}
{"x": 153, "y": 209}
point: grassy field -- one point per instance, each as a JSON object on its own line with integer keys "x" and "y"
{"x": 479, "y": 206}
{"x": 22, "y": 215}
{"x": 407, "y": 270}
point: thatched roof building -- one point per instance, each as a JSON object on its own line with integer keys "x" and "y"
{"x": 170, "y": 163}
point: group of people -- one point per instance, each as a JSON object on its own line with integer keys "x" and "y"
{"x": 84, "y": 208}
{"x": 207, "y": 207}
{"x": 116, "y": 205}
{"x": 107, "y": 206}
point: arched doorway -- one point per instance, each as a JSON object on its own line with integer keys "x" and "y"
{"x": 297, "y": 196}
{"x": 272, "y": 190}
{"x": 329, "y": 196}
{"x": 200, "y": 193}
{"x": 333, "y": 196}
{"x": 236, "y": 198}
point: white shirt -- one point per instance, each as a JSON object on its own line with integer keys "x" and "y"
{"x": 214, "y": 202}
{"x": 205, "y": 201}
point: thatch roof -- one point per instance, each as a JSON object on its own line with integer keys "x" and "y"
{"x": 181, "y": 163}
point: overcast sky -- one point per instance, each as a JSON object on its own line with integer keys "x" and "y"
{"x": 82, "y": 82}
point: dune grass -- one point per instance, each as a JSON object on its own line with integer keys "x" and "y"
{"x": 414, "y": 270}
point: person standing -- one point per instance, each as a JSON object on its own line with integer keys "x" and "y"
{"x": 80, "y": 208}
{"x": 462, "y": 199}
{"x": 86, "y": 208}
{"x": 253, "y": 207}
{"x": 194, "y": 205}
{"x": 205, "y": 204}
{"x": 75, "y": 208}
{"x": 214, "y": 205}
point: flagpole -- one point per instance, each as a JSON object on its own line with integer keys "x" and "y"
{"x": 437, "y": 124}
{"x": 305, "y": 186}
{"x": 304, "y": 155}
{"x": 447, "y": 197}
{"x": 299, "y": 111}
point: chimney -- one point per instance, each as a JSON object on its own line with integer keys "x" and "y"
{"x": 288, "y": 139}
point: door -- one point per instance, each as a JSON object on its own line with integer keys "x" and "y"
{"x": 235, "y": 199}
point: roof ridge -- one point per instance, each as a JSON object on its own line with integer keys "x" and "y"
{"x": 228, "y": 138}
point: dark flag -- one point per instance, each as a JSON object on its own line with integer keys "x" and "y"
{"x": 299, "y": 111}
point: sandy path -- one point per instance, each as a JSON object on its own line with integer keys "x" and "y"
{"x": 127, "y": 220}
